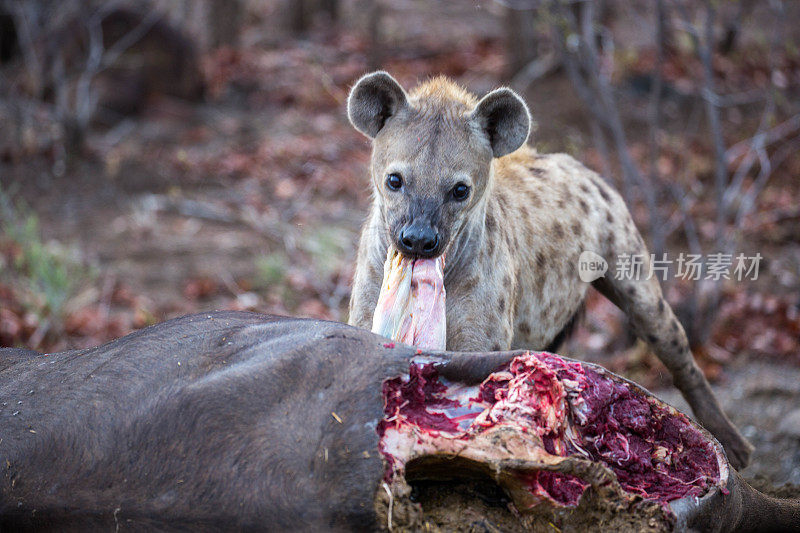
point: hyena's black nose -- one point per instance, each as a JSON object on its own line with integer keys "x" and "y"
{"x": 417, "y": 239}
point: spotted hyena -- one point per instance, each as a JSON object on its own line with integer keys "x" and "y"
{"x": 453, "y": 175}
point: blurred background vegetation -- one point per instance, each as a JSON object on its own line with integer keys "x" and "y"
{"x": 170, "y": 156}
{"x": 164, "y": 157}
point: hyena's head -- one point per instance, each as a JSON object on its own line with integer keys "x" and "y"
{"x": 432, "y": 154}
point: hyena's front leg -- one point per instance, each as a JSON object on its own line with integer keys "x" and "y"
{"x": 367, "y": 279}
{"x": 364, "y": 298}
{"x": 653, "y": 321}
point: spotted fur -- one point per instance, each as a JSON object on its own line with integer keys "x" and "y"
{"x": 511, "y": 250}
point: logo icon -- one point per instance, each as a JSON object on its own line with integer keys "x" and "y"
{"x": 591, "y": 266}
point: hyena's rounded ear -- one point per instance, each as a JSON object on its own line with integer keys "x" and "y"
{"x": 373, "y": 99}
{"x": 505, "y": 120}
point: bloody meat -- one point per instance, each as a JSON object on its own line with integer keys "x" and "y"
{"x": 654, "y": 451}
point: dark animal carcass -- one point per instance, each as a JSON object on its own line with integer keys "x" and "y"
{"x": 232, "y": 421}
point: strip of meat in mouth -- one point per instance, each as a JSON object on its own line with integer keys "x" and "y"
{"x": 411, "y": 305}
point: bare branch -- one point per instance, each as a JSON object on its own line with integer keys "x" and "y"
{"x": 23, "y": 15}
{"x": 681, "y": 198}
{"x": 85, "y": 99}
{"x": 758, "y": 146}
{"x": 704, "y": 47}
{"x": 584, "y": 66}
{"x": 768, "y": 166}
{"x": 75, "y": 96}
{"x": 535, "y": 70}
{"x": 770, "y": 136}
{"x": 654, "y": 111}
{"x": 599, "y": 139}
{"x": 130, "y": 38}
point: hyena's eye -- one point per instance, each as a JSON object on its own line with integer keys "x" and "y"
{"x": 460, "y": 191}
{"x": 394, "y": 181}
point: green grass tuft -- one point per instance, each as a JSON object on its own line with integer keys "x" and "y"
{"x": 44, "y": 276}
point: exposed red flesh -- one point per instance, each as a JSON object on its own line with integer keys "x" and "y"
{"x": 413, "y": 398}
{"x": 654, "y": 451}
{"x": 561, "y": 488}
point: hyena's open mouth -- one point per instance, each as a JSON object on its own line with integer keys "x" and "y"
{"x": 564, "y": 440}
{"x": 567, "y": 442}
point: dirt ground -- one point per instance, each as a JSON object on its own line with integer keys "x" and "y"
{"x": 254, "y": 199}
